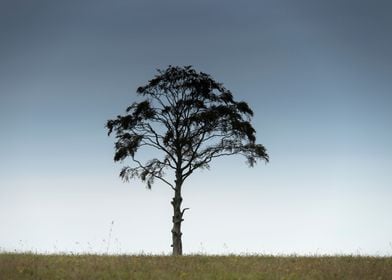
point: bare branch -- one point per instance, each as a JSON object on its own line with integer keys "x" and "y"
{"x": 183, "y": 211}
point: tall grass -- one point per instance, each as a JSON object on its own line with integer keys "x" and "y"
{"x": 35, "y": 266}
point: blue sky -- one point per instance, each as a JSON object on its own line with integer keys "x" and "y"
{"x": 316, "y": 73}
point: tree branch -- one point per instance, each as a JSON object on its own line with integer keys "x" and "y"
{"x": 153, "y": 174}
{"x": 183, "y": 211}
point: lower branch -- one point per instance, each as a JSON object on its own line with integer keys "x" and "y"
{"x": 183, "y": 211}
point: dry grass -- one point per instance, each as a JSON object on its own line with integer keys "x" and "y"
{"x": 34, "y": 266}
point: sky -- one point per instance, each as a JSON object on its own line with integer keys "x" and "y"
{"x": 316, "y": 73}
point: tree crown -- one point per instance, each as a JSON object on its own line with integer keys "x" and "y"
{"x": 189, "y": 117}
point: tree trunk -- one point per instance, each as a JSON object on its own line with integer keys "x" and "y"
{"x": 177, "y": 220}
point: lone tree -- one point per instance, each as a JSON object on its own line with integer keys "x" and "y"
{"x": 188, "y": 119}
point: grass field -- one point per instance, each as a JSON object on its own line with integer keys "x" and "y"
{"x": 35, "y": 266}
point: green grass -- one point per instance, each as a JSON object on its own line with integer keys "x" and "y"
{"x": 35, "y": 266}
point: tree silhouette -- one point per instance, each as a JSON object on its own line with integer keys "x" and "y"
{"x": 188, "y": 119}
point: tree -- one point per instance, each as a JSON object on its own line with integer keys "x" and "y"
{"x": 188, "y": 119}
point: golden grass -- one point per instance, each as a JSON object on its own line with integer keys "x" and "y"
{"x": 35, "y": 266}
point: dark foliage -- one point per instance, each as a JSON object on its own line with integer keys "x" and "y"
{"x": 188, "y": 116}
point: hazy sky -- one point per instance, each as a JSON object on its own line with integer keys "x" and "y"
{"x": 318, "y": 75}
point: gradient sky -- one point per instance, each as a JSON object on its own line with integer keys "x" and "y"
{"x": 318, "y": 75}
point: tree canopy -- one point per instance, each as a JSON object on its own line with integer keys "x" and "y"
{"x": 188, "y": 116}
